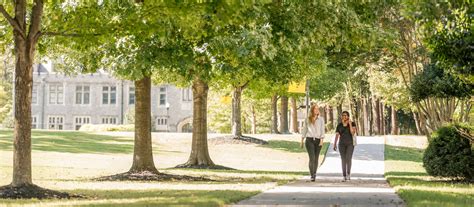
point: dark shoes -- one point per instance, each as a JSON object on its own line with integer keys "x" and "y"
{"x": 313, "y": 179}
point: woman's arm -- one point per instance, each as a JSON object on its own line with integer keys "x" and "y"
{"x": 352, "y": 128}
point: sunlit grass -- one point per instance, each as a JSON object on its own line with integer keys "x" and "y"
{"x": 404, "y": 171}
{"x": 143, "y": 198}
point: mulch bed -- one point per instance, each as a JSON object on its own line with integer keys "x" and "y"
{"x": 33, "y": 191}
{"x": 236, "y": 140}
{"x": 149, "y": 176}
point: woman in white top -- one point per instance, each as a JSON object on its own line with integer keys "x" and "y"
{"x": 313, "y": 131}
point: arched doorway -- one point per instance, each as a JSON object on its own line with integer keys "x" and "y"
{"x": 186, "y": 125}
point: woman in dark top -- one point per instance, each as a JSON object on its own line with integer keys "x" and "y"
{"x": 345, "y": 131}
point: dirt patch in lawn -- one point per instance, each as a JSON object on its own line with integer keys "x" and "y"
{"x": 149, "y": 176}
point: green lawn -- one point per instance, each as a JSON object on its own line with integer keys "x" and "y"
{"x": 68, "y": 161}
{"x": 144, "y": 198}
{"x": 71, "y": 142}
{"x": 404, "y": 171}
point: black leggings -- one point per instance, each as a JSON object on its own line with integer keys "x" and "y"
{"x": 313, "y": 148}
{"x": 346, "y": 151}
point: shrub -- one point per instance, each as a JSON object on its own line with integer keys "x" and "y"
{"x": 449, "y": 154}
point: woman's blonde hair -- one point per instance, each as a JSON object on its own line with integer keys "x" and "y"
{"x": 312, "y": 115}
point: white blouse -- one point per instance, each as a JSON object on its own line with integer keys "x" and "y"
{"x": 315, "y": 129}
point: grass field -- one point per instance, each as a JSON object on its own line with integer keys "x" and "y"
{"x": 404, "y": 171}
{"x": 68, "y": 161}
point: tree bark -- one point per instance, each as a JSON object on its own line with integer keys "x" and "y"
{"x": 376, "y": 112}
{"x": 284, "y": 115}
{"x": 275, "y": 114}
{"x": 199, "y": 151}
{"x": 294, "y": 116}
{"x": 254, "y": 119}
{"x": 394, "y": 121}
{"x": 143, "y": 153}
{"x": 339, "y": 113}
{"x": 383, "y": 124}
{"x": 417, "y": 123}
{"x": 365, "y": 115}
{"x": 331, "y": 117}
{"x": 236, "y": 111}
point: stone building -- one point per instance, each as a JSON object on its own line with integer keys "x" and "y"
{"x": 64, "y": 102}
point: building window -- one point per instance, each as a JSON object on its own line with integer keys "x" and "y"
{"x": 56, "y": 122}
{"x": 34, "y": 122}
{"x": 81, "y": 120}
{"x": 162, "y": 96}
{"x": 34, "y": 95}
{"x": 83, "y": 94}
{"x": 162, "y": 121}
{"x": 131, "y": 95}
{"x": 187, "y": 94}
{"x": 109, "y": 120}
{"x": 56, "y": 94}
{"x": 109, "y": 94}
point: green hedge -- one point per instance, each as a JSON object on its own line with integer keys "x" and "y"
{"x": 449, "y": 154}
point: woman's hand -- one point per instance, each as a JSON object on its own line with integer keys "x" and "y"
{"x": 321, "y": 142}
{"x": 335, "y": 148}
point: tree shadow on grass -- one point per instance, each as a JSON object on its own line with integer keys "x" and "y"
{"x": 72, "y": 142}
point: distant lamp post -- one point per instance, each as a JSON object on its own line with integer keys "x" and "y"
{"x": 167, "y": 115}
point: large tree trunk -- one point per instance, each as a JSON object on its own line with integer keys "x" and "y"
{"x": 199, "y": 152}
{"x": 275, "y": 114}
{"x": 294, "y": 116}
{"x": 394, "y": 121}
{"x": 25, "y": 41}
{"x": 284, "y": 115}
{"x": 143, "y": 153}
{"x": 236, "y": 112}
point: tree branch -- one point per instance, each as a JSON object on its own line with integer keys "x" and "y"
{"x": 35, "y": 24}
{"x": 12, "y": 21}
{"x": 67, "y": 34}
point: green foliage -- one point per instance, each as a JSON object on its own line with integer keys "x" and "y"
{"x": 448, "y": 30}
{"x": 436, "y": 82}
{"x": 404, "y": 172}
{"x": 449, "y": 154}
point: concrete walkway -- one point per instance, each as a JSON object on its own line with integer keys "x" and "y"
{"x": 367, "y": 186}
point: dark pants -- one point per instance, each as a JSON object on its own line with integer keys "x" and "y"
{"x": 346, "y": 151}
{"x": 313, "y": 148}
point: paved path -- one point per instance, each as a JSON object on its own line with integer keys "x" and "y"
{"x": 367, "y": 186}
